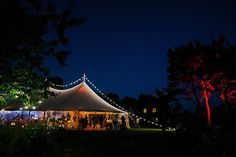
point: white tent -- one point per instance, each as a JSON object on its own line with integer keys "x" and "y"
{"x": 82, "y": 102}
{"x": 78, "y": 98}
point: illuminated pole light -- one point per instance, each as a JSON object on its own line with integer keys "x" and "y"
{"x": 2, "y": 110}
{"x": 33, "y": 107}
{"x": 40, "y": 102}
{"x": 21, "y": 108}
{"x": 26, "y": 107}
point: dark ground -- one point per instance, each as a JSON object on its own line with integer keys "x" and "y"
{"x": 18, "y": 142}
{"x": 126, "y": 143}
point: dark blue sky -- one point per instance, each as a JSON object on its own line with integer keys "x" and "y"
{"x": 122, "y": 47}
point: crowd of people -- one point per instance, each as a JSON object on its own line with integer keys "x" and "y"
{"x": 102, "y": 121}
{"x": 74, "y": 121}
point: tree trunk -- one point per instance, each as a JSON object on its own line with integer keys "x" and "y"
{"x": 199, "y": 104}
{"x": 206, "y": 103}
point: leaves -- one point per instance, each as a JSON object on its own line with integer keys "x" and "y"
{"x": 202, "y": 69}
{"x": 24, "y": 46}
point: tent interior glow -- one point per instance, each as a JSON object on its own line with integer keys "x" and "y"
{"x": 79, "y": 102}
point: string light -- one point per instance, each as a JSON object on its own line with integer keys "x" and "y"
{"x": 66, "y": 85}
{"x": 95, "y": 87}
{"x": 151, "y": 122}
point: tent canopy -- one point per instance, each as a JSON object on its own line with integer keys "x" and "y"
{"x": 12, "y": 105}
{"x": 80, "y": 97}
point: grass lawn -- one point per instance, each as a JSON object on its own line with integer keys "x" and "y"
{"x": 133, "y": 142}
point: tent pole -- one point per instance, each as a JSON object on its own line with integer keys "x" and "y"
{"x": 44, "y": 114}
{"x": 29, "y": 114}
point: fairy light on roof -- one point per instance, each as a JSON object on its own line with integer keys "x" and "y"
{"x": 66, "y": 85}
{"x": 151, "y": 122}
{"x": 84, "y": 79}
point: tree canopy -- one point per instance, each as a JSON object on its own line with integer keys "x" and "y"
{"x": 24, "y": 46}
{"x": 203, "y": 70}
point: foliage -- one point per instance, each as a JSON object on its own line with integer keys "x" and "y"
{"x": 193, "y": 68}
{"x": 2, "y": 101}
{"x": 16, "y": 141}
{"x": 25, "y": 43}
{"x": 168, "y": 106}
{"x": 114, "y": 97}
{"x": 129, "y": 103}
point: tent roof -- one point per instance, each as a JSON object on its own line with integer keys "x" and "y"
{"x": 80, "y": 97}
{"x": 12, "y": 105}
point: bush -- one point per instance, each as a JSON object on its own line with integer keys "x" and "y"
{"x": 28, "y": 141}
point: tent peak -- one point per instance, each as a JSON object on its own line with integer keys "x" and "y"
{"x": 84, "y": 77}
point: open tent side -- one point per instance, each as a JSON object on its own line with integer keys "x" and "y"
{"x": 83, "y": 103}
{"x": 79, "y": 103}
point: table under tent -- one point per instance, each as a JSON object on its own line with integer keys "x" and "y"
{"x": 78, "y": 107}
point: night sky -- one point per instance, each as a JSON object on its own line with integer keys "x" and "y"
{"x": 123, "y": 45}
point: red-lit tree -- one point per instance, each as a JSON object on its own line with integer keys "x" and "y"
{"x": 200, "y": 69}
{"x": 220, "y": 63}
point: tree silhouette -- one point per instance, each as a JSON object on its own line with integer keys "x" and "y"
{"x": 131, "y": 104}
{"x": 24, "y": 46}
{"x": 201, "y": 69}
{"x": 114, "y": 97}
{"x": 56, "y": 80}
{"x": 146, "y": 101}
{"x": 168, "y": 104}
